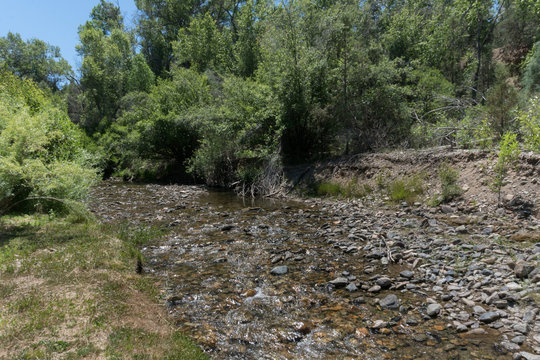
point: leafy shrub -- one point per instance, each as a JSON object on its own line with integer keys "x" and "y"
{"x": 242, "y": 129}
{"x": 508, "y": 156}
{"x": 328, "y": 189}
{"x": 406, "y": 189}
{"x": 449, "y": 187}
{"x": 530, "y": 125}
{"x": 41, "y": 150}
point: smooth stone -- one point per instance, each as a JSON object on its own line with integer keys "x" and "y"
{"x": 374, "y": 289}
{"x": 279, "y": 270}
{"x": 512, "y": 286}
{"x": 529, "y": 356}
{"x": 521, "y": 328}
{"x": 384, "y": 282}
{"x": 489, "y": 317}
{"x": 389, "y": 302}
{"x": 509, "y": 346}
{"x": 339, "y": 282}
{"x": 433, "y": 310}
{"x": 479, "y": 310}
{"x": 407, "y": 274}
{"x": 351, "y": 287}
{"x": 379, "y": 324}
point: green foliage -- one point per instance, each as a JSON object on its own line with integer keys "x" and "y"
{"x": 218, "y": 86}
{"x": 530, "y": 125}
{"x": 351, "y": 189}
{"x": 507, "y": 158}
{"x": 406, "y": 189}
{"x": 449, "y": 187}
{"x": 242, "y": 131}
{"x": 35, "y": 60}
{"x": 501, "y": 100}
{"x": 202, "y": 45}
{"x": 531, "y": 76}
{"x": 41, "y": 152}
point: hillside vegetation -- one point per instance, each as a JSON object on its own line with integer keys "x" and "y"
{"x": 224, "y": 92}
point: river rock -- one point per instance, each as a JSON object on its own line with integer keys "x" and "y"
{"x": 279, "y": 270}
{"x": 351, "y": 287}
{"x": 339, "y": 282}
{"x": 523, "y": 269}
{"x": 489, "y": 317}
{"x": 433, "y": 310}
{"x": 384, "y": 282}
{"x": 407, "y": 274}
{"x": 529, "y": 356}
{"x": 389, "y": 302}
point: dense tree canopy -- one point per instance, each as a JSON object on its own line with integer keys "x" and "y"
{"x": 217, "y": 88}
{"x": 34, "y": 59}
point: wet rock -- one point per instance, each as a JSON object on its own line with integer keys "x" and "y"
{"x": 389, "y": 302}
{"x": 352, "y": 287}
{"x": 279, "y": 270}
{"x": 420, "y": 337}
{"x": 227, "y": 227}
{"x": 509, "y": 346}
{"x": 520, "y": 339}
{"x": 339, "y": 282}
{"x": 433, "y": 310}
{"x": 476, "y": 331}
{"x": 529, "y": 356}
{"x": 358, "y": 301}
{"x": 384, "y": 282}
{"x": 379, "y": 324}
{"x": 461, "y": 229}
{"x": 407, "y": 274}
{"x": 489, "y": 317}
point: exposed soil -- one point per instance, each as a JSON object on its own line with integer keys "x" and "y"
{"x": 475, "y": 168}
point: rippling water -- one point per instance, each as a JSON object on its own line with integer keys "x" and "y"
{"x": 214, "y": 268}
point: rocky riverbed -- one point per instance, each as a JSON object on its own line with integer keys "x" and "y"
{"x": 322, "y": 279}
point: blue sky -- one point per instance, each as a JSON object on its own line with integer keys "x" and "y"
{"x": 54, "y": 21}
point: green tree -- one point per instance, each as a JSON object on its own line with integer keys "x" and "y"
{"x": 41, "y": 150}
{"x": 201, "y": 45}
{"x": 34, "y": 59}
{"x": 107, "y": 52}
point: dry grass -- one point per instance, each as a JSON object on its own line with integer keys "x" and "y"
{"x": 70, "y": 291}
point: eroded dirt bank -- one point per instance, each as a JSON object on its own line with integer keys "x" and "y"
{"x": 326, "y": 279}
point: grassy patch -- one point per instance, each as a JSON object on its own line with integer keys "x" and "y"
{"x": 68, "y": 289}
{"x": 352, "y": 189}
{"x": 407, "y": 189}
{"x": 449, "y": 187}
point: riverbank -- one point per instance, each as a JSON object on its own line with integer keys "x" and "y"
{"x": 338, "y": 278}
{"x": 69, "y": 290}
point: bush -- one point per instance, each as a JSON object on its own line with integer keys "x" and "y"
{"x": 508, "y": 156}
{"x": 242, "y": 130}
{"x": 406, "y": 189}
{"x": 449, "y": 187}
{"x": 529, "y": 121}
{"x": 41, "y": 150}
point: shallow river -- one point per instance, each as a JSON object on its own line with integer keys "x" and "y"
{"x": 214, "y": 265}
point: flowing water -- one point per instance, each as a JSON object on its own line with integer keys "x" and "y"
{"x": 214, "y": 265}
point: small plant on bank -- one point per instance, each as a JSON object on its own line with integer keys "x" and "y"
{"x": 508, "y": 156}
{"x": 350, "y": 190}
{"x": 449, "y": 187}
{"x": 530, "y": 125}
{"x": 406, "y": 189}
